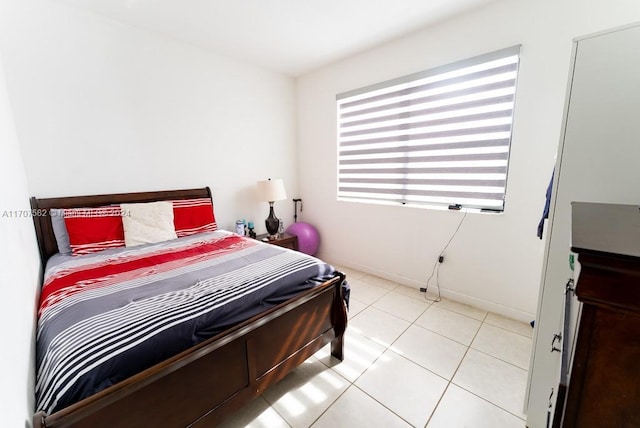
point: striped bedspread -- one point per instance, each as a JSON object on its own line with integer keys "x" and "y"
{"x": 106, "y": 316}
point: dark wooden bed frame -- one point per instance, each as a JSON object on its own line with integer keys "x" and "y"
{"x": 204, "y": 384}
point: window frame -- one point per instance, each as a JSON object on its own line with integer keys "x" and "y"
{"x": 406, "y": 196}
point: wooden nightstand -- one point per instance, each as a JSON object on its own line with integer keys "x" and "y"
{"x": 283, "y": 240}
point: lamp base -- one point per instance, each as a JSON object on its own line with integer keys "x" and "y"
{"x": 272, "y": 222}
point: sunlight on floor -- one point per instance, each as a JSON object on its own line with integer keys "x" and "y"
{"x": 266, "y": 419}
{"x": 312, "y": 392}
{"x": 331, "y": 379}
{"x": 292, "y": 405}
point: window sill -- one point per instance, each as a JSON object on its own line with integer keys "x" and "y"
{"x": 423, "y": 206}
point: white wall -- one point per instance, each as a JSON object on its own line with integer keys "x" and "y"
{"x": 102, "y": 107}
{"x": 19, "y": 276}
{"x": 495, "y": 260}
{"x": 599, "y": 163}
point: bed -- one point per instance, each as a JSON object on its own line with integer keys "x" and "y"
{"x": 277, "y": 308}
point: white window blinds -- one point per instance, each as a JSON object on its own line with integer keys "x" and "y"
{"x": 438, "y": 137}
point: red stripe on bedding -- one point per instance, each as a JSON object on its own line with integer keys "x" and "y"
{"x": 100, "y": 274}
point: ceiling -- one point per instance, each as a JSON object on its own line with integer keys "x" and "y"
{"x": 293, "y": 37}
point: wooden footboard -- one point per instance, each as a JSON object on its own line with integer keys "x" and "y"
{"x": 206, "y": 383}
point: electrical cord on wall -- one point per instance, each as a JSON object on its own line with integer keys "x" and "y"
{"x": 436, "y": 265}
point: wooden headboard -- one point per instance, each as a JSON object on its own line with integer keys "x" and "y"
{"x": 42, "y": 220}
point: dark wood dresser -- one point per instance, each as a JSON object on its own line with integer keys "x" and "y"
{"x": 604, "y": 384}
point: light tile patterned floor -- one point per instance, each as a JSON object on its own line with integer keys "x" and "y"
{"x": 408, "y": 362}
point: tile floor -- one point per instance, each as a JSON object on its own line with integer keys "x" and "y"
{"x": 408, "y": 362}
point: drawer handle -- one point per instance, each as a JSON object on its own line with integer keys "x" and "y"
{"x": 556, "y": 338}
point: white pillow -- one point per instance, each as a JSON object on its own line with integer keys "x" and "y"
{"x": 147, "y": 223}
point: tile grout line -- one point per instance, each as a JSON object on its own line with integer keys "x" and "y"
{"x": 353, "y": 383}
{"x": 388, "y": 348}
{"x": 349, "y": 383}
{"x": 331, "y": 404}
{"x": 382, "y": 404}
{"x": 498, "y": 358}
{"x": 509, "y": 330}
{"x": 487, "y": 401}
{"x": 473, "y": 393}
{"x": 455, "y": 372}
{"x": 394, "y": 315}
{"x": 277, "y": 412}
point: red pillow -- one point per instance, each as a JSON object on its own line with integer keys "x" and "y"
{"x": 191, "y": 216}
{"x": 94, "y": 229}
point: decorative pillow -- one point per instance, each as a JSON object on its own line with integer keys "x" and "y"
{"x": 60, "y": 231}
{"x": 147, "y": 223}
{"x": 94, "y": 229}
{"x": 191, "y": 216}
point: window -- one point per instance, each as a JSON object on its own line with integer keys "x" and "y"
{"x": 437, "y": 137}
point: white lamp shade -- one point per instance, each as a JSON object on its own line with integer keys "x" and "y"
{"x": 271, "y": 190}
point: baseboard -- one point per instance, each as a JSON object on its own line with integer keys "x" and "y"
{"x": 476, "y": 302}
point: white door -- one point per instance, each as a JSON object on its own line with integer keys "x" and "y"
{"x": 598, "y": 161}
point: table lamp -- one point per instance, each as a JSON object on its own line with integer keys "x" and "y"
{"x": 271, "y": 191}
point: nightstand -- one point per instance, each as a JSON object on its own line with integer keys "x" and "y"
{"x": 283, "y": 240}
